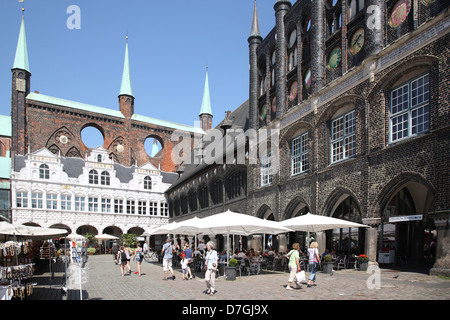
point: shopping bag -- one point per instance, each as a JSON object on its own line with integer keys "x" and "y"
{"x": 300, "y": 276}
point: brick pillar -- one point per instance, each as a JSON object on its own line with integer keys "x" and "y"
{"x": 442, "y": 264}
{"x": 254, "y": 42}
{"x": 281, "y": 8}
{"x": 317, "y": 45}
{"x": 375, "y": 24}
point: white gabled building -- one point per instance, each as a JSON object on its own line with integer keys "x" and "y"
{"x": 92, "y": 195}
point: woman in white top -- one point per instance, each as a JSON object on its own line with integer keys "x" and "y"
{"x": 211, "y": 261}
{"x": 313, "y": 259}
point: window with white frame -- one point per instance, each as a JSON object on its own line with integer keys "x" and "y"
{"x": 130, "y": 206}
{"x": 80, "y": 203}
{"x": 44, "y": 172}
{"x": 22, "y": 199}
{"x": 164, "y": 209}
{"x": 266, "y": 169}
{"x": 142, "y": 207}
{"x": 66, "y": 202}
{"x": 299, "y": 157}
{"x": 106, "y": 205}
{"x": 343, "y": 137}
{"x": 409, "y": 109}
{"x": 93, "y": 204}
{"x": 93, "y": 177}
{"x": 37, "y": 200}
{"x": 148, "y": 183}
{"x": 118, "y": 206}
{"x": 153, "y": 208}
{"x": 105, "y": 179}
{"x": 52, "y": 201}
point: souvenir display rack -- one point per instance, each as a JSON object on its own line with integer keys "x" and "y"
{"x": 16, "y": 269}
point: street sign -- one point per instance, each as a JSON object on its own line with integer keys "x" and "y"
{"x": 416, "y": 217}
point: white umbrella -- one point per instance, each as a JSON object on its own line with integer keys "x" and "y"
{"x": 35, "y": 233}
{"x": 237, "y": 223}
{"x": 164, "y": 229}
{"x": 315, "y": 223}
{"x": 75, "y": 236}
{"x": 106, "y": 237}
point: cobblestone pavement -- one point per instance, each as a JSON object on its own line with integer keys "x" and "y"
{"x": 106, "y": 283}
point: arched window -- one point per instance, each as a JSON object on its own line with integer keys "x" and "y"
{"x": 203, "y": 198}
{"x": 105, "y": 179}
{"x": 147, "y": 183}
{"x": 99, "y": 158}
{"x": 409, "y": 108}
{"x": 44, "y": 172}
{"x": 217, "y": 192}
{"x": 93, "y": 177}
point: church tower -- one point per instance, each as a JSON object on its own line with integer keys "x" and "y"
{"x": 126, "y": 97}
{"x": 205, "y": 114}
{"x": 20, "y": 89}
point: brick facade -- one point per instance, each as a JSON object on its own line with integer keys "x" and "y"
{"x": 379, "y": 169}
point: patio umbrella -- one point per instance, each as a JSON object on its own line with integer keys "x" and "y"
{"x": 105, "y": 237}
{"x": 75, "y": 236}
{"x": 240, "y": 224}
{"x": 35, "y": 233}
{"x": 315, "y": 223}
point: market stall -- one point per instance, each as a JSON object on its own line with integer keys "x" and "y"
{"x": 17, "y": 250}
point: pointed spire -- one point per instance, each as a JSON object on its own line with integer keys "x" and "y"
{"x": 21, "y": 58}
{"x": 125, "y": 87}
{"x": 155, "y": 148}
{"x": 255, "y": 24}
{"x": 206, "y": 103}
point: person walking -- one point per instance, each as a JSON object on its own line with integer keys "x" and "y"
{"x": 138, "y": 256}
{"x": 294, "y": 265}
{"x": 313, "y": 260}
{"x": 128, "y": 254}
{"x": 115, "y": 250}
{"x": 122, "y": 258}
{"x": 167, "y": 253}
{"x": 189, "y": 256}
{"x": 211, "y": 261}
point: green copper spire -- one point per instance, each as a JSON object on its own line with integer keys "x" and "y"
{"x": 155, "y": 148}
{"x": 125, "y": 87}
{"x": 206, "y": 103}
{"x": 21, "y": 59}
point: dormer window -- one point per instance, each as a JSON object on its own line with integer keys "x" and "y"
{"x": 148, "y": 183}
{"x": 93, "y": 177}
{"x": 44, "y": 172}
{"x": 105, "y": 179}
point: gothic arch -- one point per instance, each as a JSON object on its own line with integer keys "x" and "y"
{"x": 335, "y": 198}
{"x": 264, "y": 212}
{"x": 393, "y": 186}
{"x": 295, "y": 206}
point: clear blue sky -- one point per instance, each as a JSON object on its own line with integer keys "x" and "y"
{"x": 170, "y": 43}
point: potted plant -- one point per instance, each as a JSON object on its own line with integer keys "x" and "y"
{"x": 363, "y": 262}
{"x": 327, "y": 263}
{"x": 230, "y": 270}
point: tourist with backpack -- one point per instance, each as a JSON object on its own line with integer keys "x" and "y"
{"x": 167, "y": 253}
{"x": 122, "y": 258}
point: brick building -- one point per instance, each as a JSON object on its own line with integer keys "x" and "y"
{"x": 359, "y": 93}
{"x": 58, "y": 181}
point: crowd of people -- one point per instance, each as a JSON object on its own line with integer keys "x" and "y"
{"x": 210, "y": 260}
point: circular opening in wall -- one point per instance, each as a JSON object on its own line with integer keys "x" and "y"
{"x": 153, "y": 146}
{"x": 92, "y": 137}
